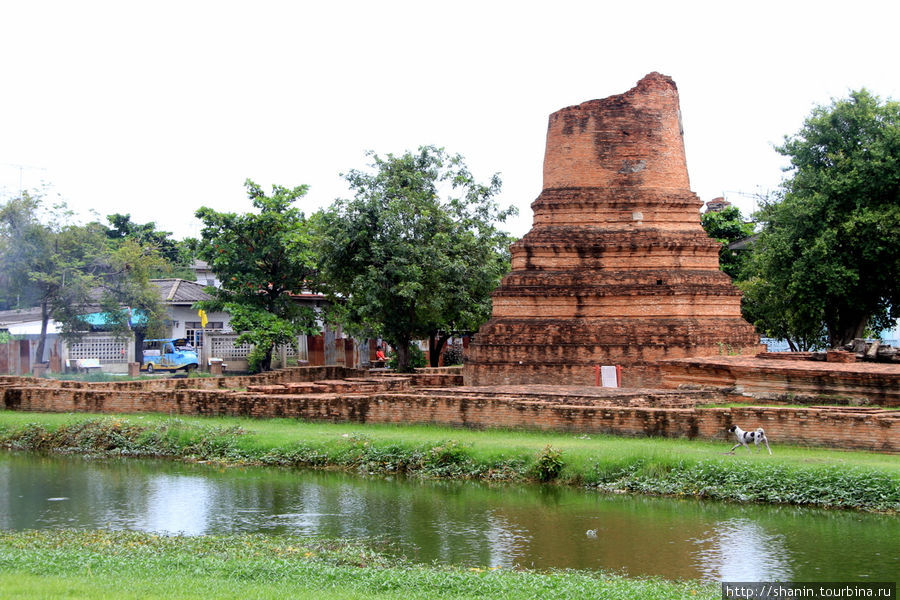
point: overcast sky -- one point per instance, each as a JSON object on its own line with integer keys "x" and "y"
{"x": 158, "y": 108}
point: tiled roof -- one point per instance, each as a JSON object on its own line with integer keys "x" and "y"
{"x": 21, "y": 315}
{"x": 180, "y": 291}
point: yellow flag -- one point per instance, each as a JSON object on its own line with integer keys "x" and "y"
{"x": 203, "y": 320}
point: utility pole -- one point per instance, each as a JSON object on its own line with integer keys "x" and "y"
{"x": 21, "y": 169}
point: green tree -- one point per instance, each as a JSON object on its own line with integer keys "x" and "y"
{"x": 728, "y": 226}
{"x": 416, "y": 252}
{"x": 70, "y": 270}
{"x": 775, "y": 315}
{"x": 261, "y": 259}
{"x": 829, "y": 253}
{"x": 177, "y": 255}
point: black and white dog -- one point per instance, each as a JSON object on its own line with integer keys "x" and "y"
{"x": 745, "y": 437}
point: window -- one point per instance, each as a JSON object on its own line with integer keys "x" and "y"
{"x": 193, "y": 331}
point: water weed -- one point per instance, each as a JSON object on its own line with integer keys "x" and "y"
{"x": 122, "y": 564}
{"x": 648, "y": 466}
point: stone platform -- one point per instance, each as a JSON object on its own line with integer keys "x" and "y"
{"x": 335, "y": 394}
{"x": 562, "y": 395}
{"x": 791, "y": 381}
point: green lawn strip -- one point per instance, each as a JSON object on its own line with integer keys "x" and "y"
{"x": 794, "y": 475}
{"x": 100, "y": 564}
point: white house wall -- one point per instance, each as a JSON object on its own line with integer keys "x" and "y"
{"x": 184, "y": 314}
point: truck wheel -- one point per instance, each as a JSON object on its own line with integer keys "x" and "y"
{"x": 150, "y": 368}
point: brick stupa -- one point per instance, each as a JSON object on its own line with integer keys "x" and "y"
{"x": 616, "y": 269}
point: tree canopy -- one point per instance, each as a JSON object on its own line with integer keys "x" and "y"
{"x": 827, "y": 263}
{"x": 70, "y": 270}
{"x": 261, "y": 258}
{"x": 416, "y": 252}
{"x": 728, "y": 226}
{"x": 176, "y": 254}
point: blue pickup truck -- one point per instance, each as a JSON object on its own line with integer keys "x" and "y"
{"x": 169, "y": 354}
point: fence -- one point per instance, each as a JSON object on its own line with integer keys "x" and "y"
{"x": 105, "y": 348}
{"x": 17, "y": 356}
{"x": 222, "y": 345}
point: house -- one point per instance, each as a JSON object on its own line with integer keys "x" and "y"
{"x": 25, "y": 322}
{"x": 717, "y": 205}
{"x": 204, "y": 275}
{"x": 182, "y": 321}
{"x": 179, "y": 297}
{"x": 24, "y": 325}
{"x": 17, "y": 352}
{"x": 744, "y": 243}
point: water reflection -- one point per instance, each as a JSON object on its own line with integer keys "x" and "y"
{"x": 177, "y": 504}
{"x": 742, "y": 550}
{"x": 456, "y": 522}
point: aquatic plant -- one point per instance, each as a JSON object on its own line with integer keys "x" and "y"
{"x": 648, "y": 466}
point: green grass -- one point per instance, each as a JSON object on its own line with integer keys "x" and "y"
{"x": 794, "y": 475}
{"x": 125, "y": 565}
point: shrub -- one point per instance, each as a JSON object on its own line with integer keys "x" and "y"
{"x": 416, "y": 358}
{"x": 549, "y": 464}
{"x": 453, "y": 355}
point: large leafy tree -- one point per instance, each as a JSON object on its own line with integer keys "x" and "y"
{"x": 728, "y": 226}
{"x": 261, "y": 258}
{"x": 177, "y": 255}
{"x": 70, "y": 270}
{"x": 828, "y": 258}
{"x": 416, "y": 253}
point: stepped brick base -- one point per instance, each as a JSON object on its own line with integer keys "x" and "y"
{"x": 616, "y": 269}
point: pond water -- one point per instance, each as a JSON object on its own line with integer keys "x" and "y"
{"x": 456, "y": 522}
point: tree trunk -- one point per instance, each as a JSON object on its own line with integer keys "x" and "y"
{"x": 435, "y": 346}
{"x": 403, "y": 356}
{"x": 847, "y": 329}
{"x": 266, "y": 364}
{"x": 42, "y": 342}
{"x": 139, "y": 335}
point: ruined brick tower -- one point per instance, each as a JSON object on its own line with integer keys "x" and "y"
{"x": 616, "y": 268}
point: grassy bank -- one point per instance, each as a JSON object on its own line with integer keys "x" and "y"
{"x": 793, "y": 475}
{"x": 123, "y": 565}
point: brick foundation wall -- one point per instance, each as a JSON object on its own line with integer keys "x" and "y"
{"x": 280, "y": 376}
{"x": 814, "y": 427}
{"x": 790, "y": 380}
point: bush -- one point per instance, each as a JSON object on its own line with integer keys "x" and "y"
{"x": 416, "y": 358}
{"x": 453, "y": 355}
{"x": 256, "y": 360}
{"x": 549, "y": 464}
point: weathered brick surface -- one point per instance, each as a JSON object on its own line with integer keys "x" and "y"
{"x": 840, "y": 356}
{"x": 816, "y": 381}
{"x": 616, "y": 268}
{"x": 584, "y": 410}
{"x": 787, "y": 355}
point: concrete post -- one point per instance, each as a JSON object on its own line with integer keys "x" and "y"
{"x": 330, "y": 350}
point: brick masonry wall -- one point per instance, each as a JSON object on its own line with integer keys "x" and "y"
{"x": 814, "y": 427}
{"x": 787, "y": 380}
